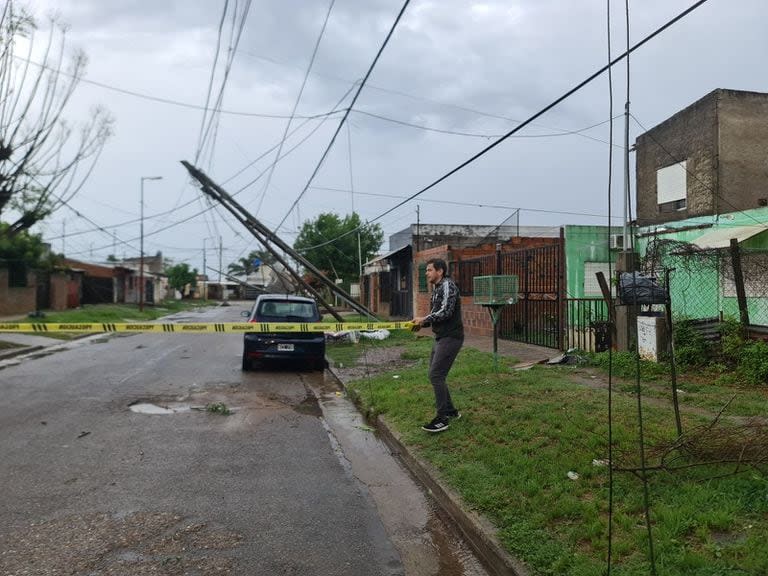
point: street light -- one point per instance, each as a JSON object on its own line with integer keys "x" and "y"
{"x": 141, "y": 257}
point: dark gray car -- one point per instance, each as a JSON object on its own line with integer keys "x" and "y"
{"x": 302, "y": 349}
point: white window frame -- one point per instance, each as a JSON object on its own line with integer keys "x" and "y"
{"x": 671, "y": 184}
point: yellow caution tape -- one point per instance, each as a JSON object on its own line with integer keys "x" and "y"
{"x": 203, "y": 328}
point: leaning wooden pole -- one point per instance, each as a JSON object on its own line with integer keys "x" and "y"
{"x": 263, "y": 233}
{"x": 296, "y": 276}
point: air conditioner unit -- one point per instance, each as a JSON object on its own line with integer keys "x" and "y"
{"x": 617, "y": 241}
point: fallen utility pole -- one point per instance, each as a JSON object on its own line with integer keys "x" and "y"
{"x": 265, "y": 236}
{"x": 244, "y": 221}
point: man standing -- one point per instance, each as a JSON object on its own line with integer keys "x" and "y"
{"x": 445, "y": 319}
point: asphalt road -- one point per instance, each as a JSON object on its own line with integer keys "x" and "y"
{"x": 290, "y": 483}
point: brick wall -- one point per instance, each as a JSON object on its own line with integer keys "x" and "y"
{"x": 16, "y": 301}
{"x": 476, "y": 319}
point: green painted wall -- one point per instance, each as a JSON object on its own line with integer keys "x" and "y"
{"x": 696, "y": 286}
{"x": 586, "y": 244}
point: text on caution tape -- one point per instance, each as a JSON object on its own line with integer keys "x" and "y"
{"x": 200, "y": 328}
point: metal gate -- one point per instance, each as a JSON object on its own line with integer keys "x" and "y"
{"x": 538, "y": 316}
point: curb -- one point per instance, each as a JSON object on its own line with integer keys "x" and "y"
{"x": 476, "y": 530}
{"x": 13, "y": 352}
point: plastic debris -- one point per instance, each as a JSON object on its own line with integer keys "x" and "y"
{"x": 573, "y": 475}
{"x": 600, "y": 462}
{"x": 375, "y": 334}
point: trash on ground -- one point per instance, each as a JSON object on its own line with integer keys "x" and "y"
{"x": 375, "y": 334}
{"x": 600, "y": 462}
{"x": 573, "y": 475}
{"x": 565, "y": 358}
{"x": 355, "y": 335}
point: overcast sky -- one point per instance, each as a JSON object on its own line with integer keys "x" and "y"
{"x": 470, "y": 71}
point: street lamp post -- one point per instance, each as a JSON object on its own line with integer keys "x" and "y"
{"x": 141, "y": 249}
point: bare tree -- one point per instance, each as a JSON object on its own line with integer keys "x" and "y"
{"x": 44, "y": 160}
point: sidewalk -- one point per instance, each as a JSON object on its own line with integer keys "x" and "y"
{"x": 526, "y": 354}
{"x": 25, "y": 343}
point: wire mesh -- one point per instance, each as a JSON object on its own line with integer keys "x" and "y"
{"x": 703, "y": 283}
{"x": 495, "y": 290}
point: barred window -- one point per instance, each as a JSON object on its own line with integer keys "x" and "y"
{"x": 422, "y": 277}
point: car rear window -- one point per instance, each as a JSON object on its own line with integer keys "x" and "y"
{"x": 277, "y": 310}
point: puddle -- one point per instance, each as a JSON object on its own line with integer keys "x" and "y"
{"x": 309, "y": 406}
{"x": 148, "y": 408}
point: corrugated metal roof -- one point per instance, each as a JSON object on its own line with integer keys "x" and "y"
{"x": 721, "y": 238}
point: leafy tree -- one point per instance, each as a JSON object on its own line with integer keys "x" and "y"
{"x": 180, "y": 275}
{"x": 43, "y": 159}
{"x": 246, "y": 265}
{"x": 329, "y": 243}
{"x": 24, "y": 251}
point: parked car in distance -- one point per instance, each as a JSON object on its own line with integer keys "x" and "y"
{"x": 305, "y": 349}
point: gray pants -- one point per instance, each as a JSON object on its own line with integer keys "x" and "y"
{"x": 444, "y": 352}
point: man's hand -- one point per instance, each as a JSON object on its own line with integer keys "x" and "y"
{"x": 417, "y": 320}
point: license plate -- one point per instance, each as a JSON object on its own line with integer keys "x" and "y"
{"x": 285, "y": 347}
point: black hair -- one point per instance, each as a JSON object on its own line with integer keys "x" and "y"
{"x": 439, "y": 264}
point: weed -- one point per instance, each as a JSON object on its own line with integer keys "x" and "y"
{"x": 218, "y": 408}
{"x": 753, "y": 362}
{"x": 691, "y": 349}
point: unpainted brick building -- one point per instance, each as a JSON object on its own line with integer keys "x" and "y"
{"x": 710, "y": 158}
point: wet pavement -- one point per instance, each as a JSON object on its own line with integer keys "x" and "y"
{"x": 425, "y": 536}
{"x": 426, "y": 541}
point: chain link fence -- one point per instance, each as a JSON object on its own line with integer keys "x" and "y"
{"x": 703, "y": 283}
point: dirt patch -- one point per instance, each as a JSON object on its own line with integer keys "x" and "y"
{"x": 373, "y": 362}
{"x": 102, "y": 544}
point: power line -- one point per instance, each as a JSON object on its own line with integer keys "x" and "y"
{"x": 487, "y": 136}
{"x": 541, "y": 112}
{"x": 234, "y": 41}
{"x": 315, "y": 129}
{"x": 458, "y": 203}
{"x": 346, "y": 114}
{"x": 547, "y": 108}
{"x": 178, "y": 207}
{"x": 691, "y": 173}
{"x": 295, "y": 104}
{"x": 160, "y": 100}
{"x": 371, "y": 86}
{"x": 210, "y": 80}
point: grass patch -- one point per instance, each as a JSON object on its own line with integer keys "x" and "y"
{"x": 522, "y": 432}
{"x": 110, "y": 313}
{"x": 706, "y": 388}
{"x": 118, "y": 312}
